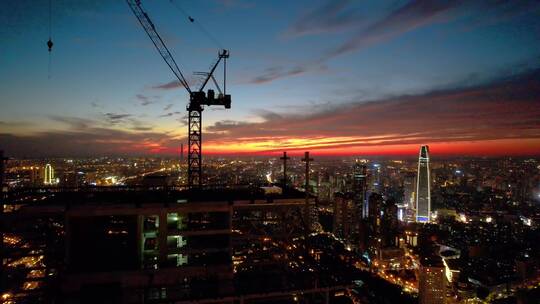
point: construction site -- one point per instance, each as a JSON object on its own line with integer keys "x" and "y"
{"x": 194, "y": 243}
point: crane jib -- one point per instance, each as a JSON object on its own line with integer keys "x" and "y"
{"x": 197, "y": 99}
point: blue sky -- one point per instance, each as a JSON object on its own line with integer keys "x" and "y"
{"x": 289, "y": 59}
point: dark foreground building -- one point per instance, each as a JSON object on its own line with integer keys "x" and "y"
{"x": 142, "y": 245}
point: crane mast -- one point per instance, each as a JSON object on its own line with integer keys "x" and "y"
{"x": 197, "y": 98}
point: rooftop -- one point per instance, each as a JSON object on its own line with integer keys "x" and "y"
{"x": 139, "y": 195}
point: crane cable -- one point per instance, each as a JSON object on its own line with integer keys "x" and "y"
{"x": 201, "y": 27}
{"x": 50, "y": 43}
{"x": 50, "y": 21}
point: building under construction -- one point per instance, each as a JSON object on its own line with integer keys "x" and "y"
{"x": 151, "y": 245}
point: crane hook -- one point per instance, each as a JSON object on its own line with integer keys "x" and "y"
{"x": 50, "y": 44}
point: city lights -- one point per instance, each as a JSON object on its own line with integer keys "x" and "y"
{"x": 342, "y": 152}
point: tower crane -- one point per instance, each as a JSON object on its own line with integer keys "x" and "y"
{"x": 197, "y": 98}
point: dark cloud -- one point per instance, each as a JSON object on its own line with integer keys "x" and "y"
{"x": 168, "y": 86}
{"x": 141, "y": 128}
{"x": 168, "y": 107}
{"x": 274, "y": 73}
{"x": 115, "y": 118}
{"x": 342, "y": 15}
{"x": 183, "y": 120}
{"x": 226, "y": 125}
{"x": 95, "y": 105}
{"x": 74, "y": 122}
{"x": 90, "y": 142}
{"x": 412, "y": 15}
{"x": 86, "y": 137}
{"x": 137, "y": 125}
{"x": 267, "y": 115}
{"x": 16, "y": 123}
{"x": 77, "y": 124}
{"x": 169, "y": 114}
{"x": 334, "y": 15}
{"x": 146, "y": 100}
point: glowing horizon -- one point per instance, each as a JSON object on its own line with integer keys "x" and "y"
{"x": 526, "y": 147}
{"x": 319, "y": 77}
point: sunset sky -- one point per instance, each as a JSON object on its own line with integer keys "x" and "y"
{"x": 332, "y": 77}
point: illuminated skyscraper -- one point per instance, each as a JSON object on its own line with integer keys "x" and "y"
{"x": 423, "y": 195}
{"x": 359, "y": 189}
{"x": 48, "y": 178}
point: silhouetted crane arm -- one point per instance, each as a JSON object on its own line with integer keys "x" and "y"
{"x": 224, "y": 54}
{"x": 150, "y": 29}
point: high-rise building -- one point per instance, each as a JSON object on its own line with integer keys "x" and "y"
{"x": 432, "y": 281}
{"x": 48, "y": 178}
{"x": 344, "y": 217}
{"x": 35, "y": 176}
{"x": 359, "y": 189}
{"x": 409, "y": 196}
{"x": 423, "y": 195}
{"x": 375, "y": 203}
{"x": 376, "y": 179}
{"x": 389, "y": 224}
{"x": 409, "y": 189}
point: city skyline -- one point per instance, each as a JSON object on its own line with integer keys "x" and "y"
{"x": 264, "y": 152}
{"x": 327, "y": 77}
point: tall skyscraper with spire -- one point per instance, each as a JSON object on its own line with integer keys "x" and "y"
{"x": 423, "y": 191}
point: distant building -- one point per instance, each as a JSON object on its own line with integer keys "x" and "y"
{"x": 375, "y": 203}
{"x": 344, "y": 216}
{"x": 432, "y": 281}
{"x": 423, "y": 194}
{"x": 376, "y": 178}
{"x": 389, "y": 224}
{"x": 35, "y": 176}
{"x": 374, "y": 222}
{"x": 48, "y": 178}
